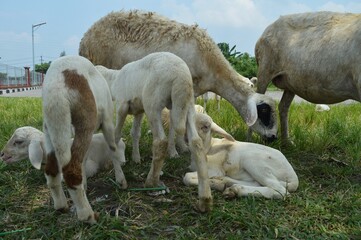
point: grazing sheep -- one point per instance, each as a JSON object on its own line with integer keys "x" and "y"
{"x": 122, "y": 37}
{"x": 75, "y": 95}
{"x": 242, "y": 168}
{"x": 322, "y": 107}
{"x": 149, "y": 85}
{"x": 28, "y": 143}
{"x": 206, "y": 96}
{"x": 312, "y": 55}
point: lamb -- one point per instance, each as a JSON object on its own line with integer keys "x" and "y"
{"x": 242, "y": 168}
{"x": 149, "y": 85}
{"x": 312, "y": 55}
{"x": 122, "y": 37}
{"x": 75, "y": 95}
{"x": 28, "y": 143}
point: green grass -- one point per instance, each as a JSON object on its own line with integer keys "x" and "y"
{"x": 327, "y": 205}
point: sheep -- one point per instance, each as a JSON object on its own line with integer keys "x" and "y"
{"x": 122, "y": 37}
{"x": 147, "y": 86}
{"x": 242, "y": 168}
{"x": 75, "y": 95}
{"x": 312, "y": 55}
{"x": 322, "y": 108}
{"x": 28, "y": 143}
{"x": 206, "y": 96}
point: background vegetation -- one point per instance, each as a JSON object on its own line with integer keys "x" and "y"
{"x": 327, "y": 204}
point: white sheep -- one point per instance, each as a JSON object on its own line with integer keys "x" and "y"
{"x": 149, "y": 85}
{"x": 313, "y": 55}
{"x": 242, "y": 168}
{"x": 122, "y": 37}
{"x": 28, "y": 143}
{"x": 75, "y": 95}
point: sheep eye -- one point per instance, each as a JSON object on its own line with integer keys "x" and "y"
{"x": 204, "y": 128}
{"x": 18, "y": 142}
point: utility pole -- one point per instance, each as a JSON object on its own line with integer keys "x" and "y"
{"x": 33, "y": 28}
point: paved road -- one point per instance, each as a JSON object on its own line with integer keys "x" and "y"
{"x": 28, "y": 93}
{"x": 274, "y": 94}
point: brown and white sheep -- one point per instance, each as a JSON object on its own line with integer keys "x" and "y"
{"x": 122, "y": 37}
{"x": 75, "y": 95}
{"x": 312, "y": 55}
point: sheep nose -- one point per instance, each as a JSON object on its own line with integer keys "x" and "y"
{"x": 271, "y": 138}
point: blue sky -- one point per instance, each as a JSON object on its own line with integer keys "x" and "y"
{"x": 237, "y": 22}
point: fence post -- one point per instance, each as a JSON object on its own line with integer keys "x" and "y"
{"x": 27, "y": 74}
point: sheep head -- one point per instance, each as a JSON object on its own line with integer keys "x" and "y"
{"x": 22, "y": 142}
{"x": 205, "y": 127}
{"x": 266, "y": 123}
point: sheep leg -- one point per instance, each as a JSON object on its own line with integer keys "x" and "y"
{"x": 57, "y": 192}
{"x": 72, "y": 172}
{"x": 242, "y": 190}
{"x": 284, "y": 107}
{"x": 171, "y": 143}
{"x": 122, "y": 111}
{"x": 53, "y": 176}
{"x": 159, "y": 154}
{"x": 159, "y": 150}
{"x": 199, "y": 157}
{"x": 136, "y": 134}
{"x": 108, "y": 132}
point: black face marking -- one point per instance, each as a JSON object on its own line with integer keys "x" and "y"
{"x": 264, "y": 114}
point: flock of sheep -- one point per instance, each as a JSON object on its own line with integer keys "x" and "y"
{"x": 146, "y": 63}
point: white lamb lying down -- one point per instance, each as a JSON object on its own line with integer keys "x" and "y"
{"x": 242, "y": 168}
{"x": 27, "y": 142}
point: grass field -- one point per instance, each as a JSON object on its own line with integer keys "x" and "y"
{"x": 327, "y": 205}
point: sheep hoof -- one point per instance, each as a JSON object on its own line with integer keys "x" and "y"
{"x": 124, "y": 184}
{"x": 204, "y": 205}
{"x": 174, "y": 155}
{"x": 288, "y": 143}
{"x": 63, "y": 210}
{"x": 93, "y": 218}
{"x": 229, "y": 194}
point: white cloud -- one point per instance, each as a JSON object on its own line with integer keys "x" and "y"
{"x": 216, "y": 13}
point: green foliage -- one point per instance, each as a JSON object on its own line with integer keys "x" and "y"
{"x": 327, "y": 205}
{"x": 43, "y": 67}
{"x": 243, "y": 63}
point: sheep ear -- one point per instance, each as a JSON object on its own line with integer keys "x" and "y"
{"x": 220, "y": 131}
{"x": 35, "y": 154}
{"x": 251, "y": 114}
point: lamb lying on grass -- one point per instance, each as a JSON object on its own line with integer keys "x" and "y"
{"x": 28, "y": 143}
{"x": 242, "y": 168}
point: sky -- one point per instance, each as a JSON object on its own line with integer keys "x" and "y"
{"x": 237, "y": 22}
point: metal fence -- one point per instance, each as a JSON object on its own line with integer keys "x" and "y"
{"x": 14, "y": 77}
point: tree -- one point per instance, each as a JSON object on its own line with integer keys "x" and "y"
{"x": 243, "y": 63}
{"x": 62, "y": 54}
{"x": 43, "y": 67}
